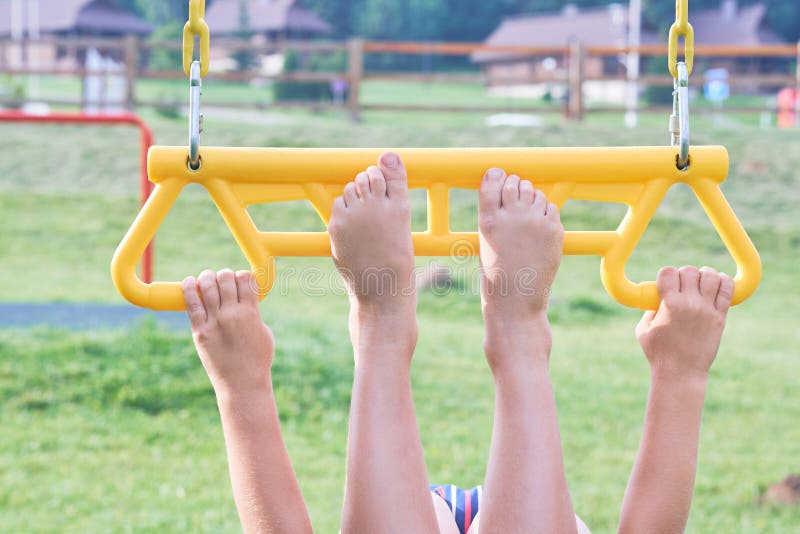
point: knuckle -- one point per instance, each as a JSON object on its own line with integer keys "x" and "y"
{"x": 204, "y": 334}
{"x": 668, "y": 271}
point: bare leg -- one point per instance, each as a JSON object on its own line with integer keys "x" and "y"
{"x": 521, "y": 243}
{"x": 387, "y": 485}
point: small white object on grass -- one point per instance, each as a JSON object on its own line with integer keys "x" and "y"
{"x": 515, "y": 120}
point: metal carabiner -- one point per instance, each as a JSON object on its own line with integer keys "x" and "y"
{"x": 195, "y": 117}
{"x": 679, "y": 120}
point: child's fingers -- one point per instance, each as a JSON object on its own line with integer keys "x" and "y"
{"x": 709, "y": 283}
{"x": 226, "y": 281}
{"x": 246, "y": 287}
{"x": 668, "y": 282}
{"x": 646, "y": 321}
{"x": 194, "y": 306}
{"x": 690, "y": 279}
{"x": 725, "y": 293}
{"x": 210, "y": 292}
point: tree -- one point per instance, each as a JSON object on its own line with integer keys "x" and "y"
{"x": 245, "y": 59}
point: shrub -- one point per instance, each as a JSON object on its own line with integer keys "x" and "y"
{"x": 308, "y": 62}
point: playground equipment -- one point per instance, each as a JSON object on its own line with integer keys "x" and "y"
{"x": 145, "y": 186}
{"x": 788, "y": 107}
{"x": 239, "y": 177}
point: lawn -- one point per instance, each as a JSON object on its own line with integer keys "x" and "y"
{"x": 373, "y": 92}
{"x": 117, "y": 430}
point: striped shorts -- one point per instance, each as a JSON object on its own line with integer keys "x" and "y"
{"x": 463, "y": 503}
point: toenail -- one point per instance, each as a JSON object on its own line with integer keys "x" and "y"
{"x": 390, "y": 160}
{"x": 495, "y": 174}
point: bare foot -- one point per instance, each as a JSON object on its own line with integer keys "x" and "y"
{"x": 370, "y": 232}
{"x": 521, "y": 240}
{"x": 234, "y": 344}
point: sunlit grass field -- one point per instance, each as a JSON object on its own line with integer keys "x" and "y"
{"x": 118, "y": 431}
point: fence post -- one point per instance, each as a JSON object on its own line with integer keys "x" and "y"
{"x": 575, "y": 104}
{"x": 131, "y": 48}
{"x": 355, "y": 72}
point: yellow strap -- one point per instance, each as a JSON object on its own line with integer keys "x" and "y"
{"x": 196, "y": 27}
{"x": 239, "y": 177}
{"x": 681, "y": 28}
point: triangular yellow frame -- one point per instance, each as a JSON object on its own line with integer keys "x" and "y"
{"x": 239, "y": 177}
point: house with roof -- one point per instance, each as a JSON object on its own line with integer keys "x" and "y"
{"x": 273, "y": 20}
{"x": 604, "y": 26}
{"x": 731, "y": 24}
{"x": 23, "y": 19}
{"x": 608, "y": 26}
{"x": 266, "y": 22}
{"x": 69, "y": 18}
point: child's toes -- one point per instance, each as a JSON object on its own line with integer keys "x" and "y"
{"x": 377, "y": 182}
{"x": 350, "y": 195}
{"x": 362, "y": 185}
{"x": 553, "y": 213}
{"x": 395, "y": 173}
{"x": 709, "y": 284}
{"x": 228, "y": 294}
{"x": 539, "y": 203}
{"x": 210, "y": 292}
{"x": 690, "y": 280}
{"x": 668, "y": 282}
{"x": 511, "y": 191}
{"x": 526, "y": 193}
{"x": 490, "y": 196}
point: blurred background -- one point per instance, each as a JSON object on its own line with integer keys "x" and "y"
{"x": 108, "y": 421}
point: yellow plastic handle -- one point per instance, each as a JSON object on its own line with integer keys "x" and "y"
{"x": 196, "y": 27}
{"x": 239, "y": 177}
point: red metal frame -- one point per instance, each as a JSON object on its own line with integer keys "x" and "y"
{"x": 146, "y": 134}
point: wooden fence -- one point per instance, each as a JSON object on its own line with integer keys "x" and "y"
{"x": 134, "y": 52}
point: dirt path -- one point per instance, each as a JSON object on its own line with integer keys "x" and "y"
{"x": 83, "y": 316}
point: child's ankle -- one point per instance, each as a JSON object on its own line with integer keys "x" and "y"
{"x": 523, "y": 344}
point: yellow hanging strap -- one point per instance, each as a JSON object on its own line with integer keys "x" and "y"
{"x": 196, "y": 27}
{"x": 681, "y": 28}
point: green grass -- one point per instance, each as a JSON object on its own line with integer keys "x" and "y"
{"x": 118, "y": 431}
{"x": 373, "y": 92}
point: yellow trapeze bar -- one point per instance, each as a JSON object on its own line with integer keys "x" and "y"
{"x": 239, "y": 177}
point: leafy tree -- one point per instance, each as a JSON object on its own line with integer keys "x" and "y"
{"x": 459, "y": 20}
{"x": 245, "y": 59}
{"x": 166, "y": 58}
